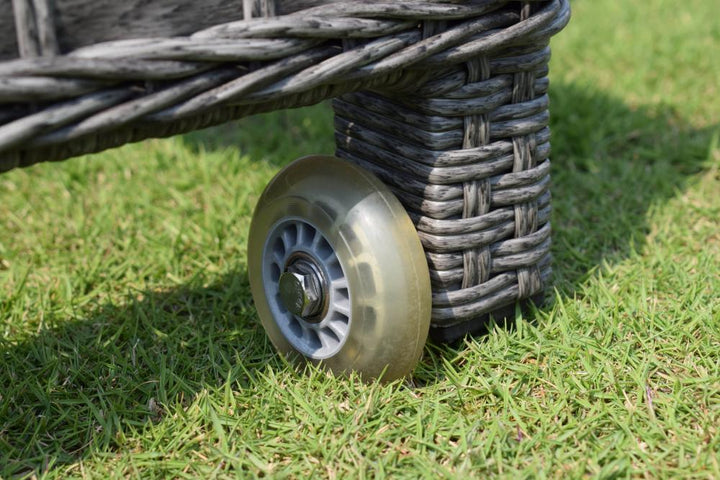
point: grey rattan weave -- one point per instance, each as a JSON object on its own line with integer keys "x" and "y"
{"x": 446, "y": 101}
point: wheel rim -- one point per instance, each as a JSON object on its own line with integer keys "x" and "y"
{"x": 295, "y": 245}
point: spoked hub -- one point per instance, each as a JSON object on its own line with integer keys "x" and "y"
{"x": 309, "y": 288}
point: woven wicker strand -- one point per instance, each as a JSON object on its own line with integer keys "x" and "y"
{"x": 108, "y": 94}
{"x": 35, "y": 27}
{"x": 258, "y": 8}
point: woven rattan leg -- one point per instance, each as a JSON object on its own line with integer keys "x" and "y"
{"x": 467, "y": 155}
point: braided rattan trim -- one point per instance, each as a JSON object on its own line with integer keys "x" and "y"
{"x": 113, "y": 93}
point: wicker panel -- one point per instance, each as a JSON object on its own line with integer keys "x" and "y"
{"x": 467, "y": 154}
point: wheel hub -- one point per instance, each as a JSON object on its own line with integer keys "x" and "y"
{"x": 307, "y": 290}
{"x": 302, "y": 289}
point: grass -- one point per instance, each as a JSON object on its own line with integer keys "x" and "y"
{"x": 129, "y": 345}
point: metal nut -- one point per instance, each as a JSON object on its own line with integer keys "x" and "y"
{"x": 300, "y": 293}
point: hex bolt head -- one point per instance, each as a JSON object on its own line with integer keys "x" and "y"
{"x": 301, "y": 291}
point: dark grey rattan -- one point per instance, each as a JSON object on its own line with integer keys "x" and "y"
{"x": 444, "y": 100}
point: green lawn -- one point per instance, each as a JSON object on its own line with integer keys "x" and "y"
{"x": 129, "y": 344}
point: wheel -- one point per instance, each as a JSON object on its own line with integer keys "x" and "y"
{"x": 337, "y": 271}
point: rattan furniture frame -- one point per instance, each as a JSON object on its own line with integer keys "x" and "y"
{"x": 445, "y": 101}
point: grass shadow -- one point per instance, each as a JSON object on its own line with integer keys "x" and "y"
{"x": 613, "y": 164}
{"x": 114, "y": 369}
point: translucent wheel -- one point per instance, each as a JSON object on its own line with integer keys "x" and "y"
{"x": 337, "y": 271}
